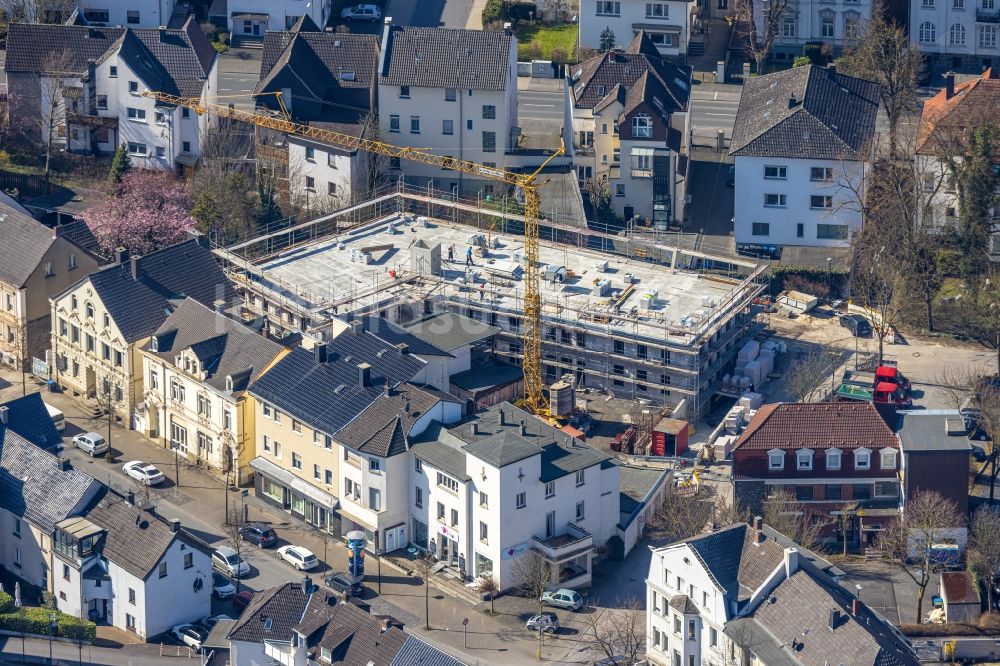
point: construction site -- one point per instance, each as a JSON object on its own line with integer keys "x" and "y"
{"x": 639, "y": 316}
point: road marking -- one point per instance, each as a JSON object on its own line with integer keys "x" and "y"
{"x": 725, "y": 115}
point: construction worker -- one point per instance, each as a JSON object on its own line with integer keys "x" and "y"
{"x": 451, "y": 252}
{"x": 468, "y": 256}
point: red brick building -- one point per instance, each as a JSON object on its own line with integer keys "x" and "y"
{"x": 830, "y": 457}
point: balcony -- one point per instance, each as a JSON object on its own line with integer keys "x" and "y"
{"x": 280, "y": 651}
{"x": 569, "y": 555}
{"x": 987, "y": 16}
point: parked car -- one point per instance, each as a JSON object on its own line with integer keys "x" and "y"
{"x": 299, "y": 557}
{"x": 208, "y": 623}
{"x": 144, "y": 473}
{"x": 242, "y": 600}
{"x": 341, "y": 582}
{"x": 361, "y": 13}
{"x": 190, "y": 635}
{"x": 731, "y": 176}
{"x": 226, "y": 560}
{"x": 978, "y": 453}
{"x": 222, "y": 587}
{"x": 259, "y": 534}
{"x": 91, "y": 442}
{"x": 547, "y": 622}
{"x": 856, "y": 324}
{"x": 563, "y": 598}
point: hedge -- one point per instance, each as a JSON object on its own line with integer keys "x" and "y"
{"x": 6, "y": 602}
{"x": 36, "y": 621}
{"x": 946, "y": 629}
{"x": 501, "y": 10}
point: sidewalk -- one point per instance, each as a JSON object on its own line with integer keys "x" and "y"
{"x": 71, "y": 654}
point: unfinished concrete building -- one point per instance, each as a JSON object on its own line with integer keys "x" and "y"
{"x": 639, "y": 317}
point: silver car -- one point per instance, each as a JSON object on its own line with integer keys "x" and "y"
{"x": 91, "y": 442}
{"x": 547, "y": 622}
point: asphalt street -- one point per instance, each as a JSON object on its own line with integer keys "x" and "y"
{"x": 713, "y": 108}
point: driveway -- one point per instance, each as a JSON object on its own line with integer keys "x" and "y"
{"x": 239, "y": 72}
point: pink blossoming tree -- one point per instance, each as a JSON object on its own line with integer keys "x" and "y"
{"x": 147, "y": 211}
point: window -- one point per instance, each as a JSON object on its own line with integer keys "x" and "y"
{"x": 609, "y": 8}
{"x": 833, "y": 458}
{"x": 328, "y": 477}
{"x": 775, "y": 459}
{"x": 822, "y": 174}
{"x": 136, "y": 114}
{"x": 418, "y": 497}
{"x": 852, "y": 26}
{"x": 404, "y": 92}
{"x": 161, "y": 151}
{"x": 133, "y": 86}
{"x": 677, "y": 624}
{"x": 296, "y": 426}
{"x": 267, "y": 444}
{"x": 374, "y": 465}
{"x": 804, "y": 459}
{"x": 661, "y": 39}
{"x": 446, "y": 481}
{"x": 484, "y": 532}
{"x": 310, "y": 183}
{"x": 450, "y": 94}
{"x": 440, "y": 511}
{"x": 136, "y": 148}
{"x": 447, "y": 126}
{"x": 374, "y": 499}
{"x": 132, "y": 17}
{"x": 204, "y": 406}
{"x": 468, "y": 124}
{"x": 788, "y": 26}
{"x": 831, "y": 231}
{"x": 352, "y": 489}
{"x": 484, "y": 500}
{"x": 956, "y": 36}
{"x": 163, "y": 569}
{"x": 826, "y": 27}
{"x": 188, "y": 560}
{"x": 832, "y": 492}
{"x": 394, "y": 123}
{"x": 580, "y": 480}
{"x": 642, "y": 126}
{"x": 131, "y": 596}
{"x": 105, "y": 351}
{"x": 775, "y": 200}
{"x": 129, "y": 622}
{"x": 185, "y": 112}
{"x": 418, "y": 464}
{"x": 454, "y": 517}
{"x": 414, "y": 124}
{"x": 580, "y": 514}
{"x": 489, "y": 142}
{"x": 988, "y": 36}
{"x": 90, "y": 343}
{"x": 888, "y": 459}
{"x": 820, "y": 202}
{"x": 296, "y": 460}
{"x": 519, "y": 501}
{"x": 927, "y": 32}
{"x": 775, "y": 172}
{"x": 657, "y": 10}
{"x": 958, "y": 4}
{"x": 310, "y": 154}
{"x": 862, "y": 459}
{"x": 803, "y": 493}
{"x": 619, "y": 188}
{"x": 317, "y": 472}
{"x": 862, "y": 491}
{"x": 886, "y": 489}
{"x": 800, "y": 230}
{"x": 185, "y": 146}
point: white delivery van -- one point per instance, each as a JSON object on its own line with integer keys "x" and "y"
{"x": 58, "y": 418}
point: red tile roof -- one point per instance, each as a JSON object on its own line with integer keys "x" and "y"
{"x": 973, "y": 103}
{"x": 844, "y": 425}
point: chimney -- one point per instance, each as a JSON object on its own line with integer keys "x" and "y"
{"x": 130, "y": 497}
{"x": 500, "y": 414}
{"x": 121, "y": 254}
{"x": 855, "y": 606}
{"x": 523, "y": 429}
{"x": 57, "y": 231}
{"x": 64, "y": 464}
{"x": 384, "y": 622}
{"x": 758, "y": 522}
{"x": 306, "y": 585}
{"x": 163, "y": 33}
{"x": 175, "y": 525}
{"x": 220, "y": 305}
{"x": 832, "y": 68}
{"x": 506, "y": 28}
{"x": 792, "y": 102}
{"x": 134, "y": 267}
{"x": 791, "y": 561}
{"x": 320, "y": 351}
{"x": 4, "y": 415}
{"x": 387, "y": 391}
{"x": 357, "y": 326}
{"x": 365, "y": 374}
{"x": 475, "y": 427}
{"x": 949, "y": 85}
{"x": 403, "y": 348}
{"x": 834, "y": 619}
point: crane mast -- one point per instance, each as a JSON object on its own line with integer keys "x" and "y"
{"x": 534, "y": 395}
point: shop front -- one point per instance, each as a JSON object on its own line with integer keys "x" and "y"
{"x": 282, "y": 489}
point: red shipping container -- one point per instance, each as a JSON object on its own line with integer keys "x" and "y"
{"x": 670, "y": 438}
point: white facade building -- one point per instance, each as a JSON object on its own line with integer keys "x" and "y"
{"x": 960, "y": 33}
{"x": 451, "y": 91}
{"x": 248, "y": 20}
{"x": 667, "y": 22}
{"x": 127, "y": 14}
{"x": 834, "y": 23}
{"x": 803, "y": 141}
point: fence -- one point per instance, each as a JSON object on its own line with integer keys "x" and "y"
{"x": 26, "y": 184}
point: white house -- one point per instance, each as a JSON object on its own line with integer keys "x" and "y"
{"x": 128, "y": 14}
{"x": 802, "y": 143}
{"x": 452, "y": 91}
{"x": 960, "y": 34}
{"x": 484, "y": 492}
{"x": 311, "y": 68}
{"x": 248, "y": 20}
{"x": 630, "y": 127}
{"x": 834, "y": 23}
{"x": 130, "y": 568}
{"x": 606, "y": 24}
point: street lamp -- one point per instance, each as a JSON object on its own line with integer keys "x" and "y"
{"x": 53, "y": 625}
{"x": 465, "y": 631}
{"x": 829, "y": 278}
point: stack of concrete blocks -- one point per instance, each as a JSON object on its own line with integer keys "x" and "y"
{"x": 735, "y": 420}
{"x": 723, "y": 446}
{"x": 751, "y": 401}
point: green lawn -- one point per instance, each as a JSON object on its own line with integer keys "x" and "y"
{"x": 547, "y": 38}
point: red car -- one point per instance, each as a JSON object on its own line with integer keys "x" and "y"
{"x": 242, "y": 600}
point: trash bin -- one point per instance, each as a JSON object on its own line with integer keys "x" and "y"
{"x": 53, "y": 387}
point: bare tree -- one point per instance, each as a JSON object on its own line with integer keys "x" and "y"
{"x": 424, "y": 566}
{"x": 986, "y": 400}
{"x": 104, "y": 396}
{"x": 907, "y": 541}
{"x": 885, "y": 54}
{"x": 843, "y": 521}
{"x": 684, "y": 514}
{"x": 36, "y": 11}
{"x": 879, "y": 283}
{"x": 794, "y": 519}
{"x": 762, "y": 30}
{"x": 532, "y": 575}
{"x": 234, "y": 522}
{"x": 489, "y": 585}
{"x": 985, "y": 547}
{"x": 618, "y": 634}
{"x": 376, "y": 165}
{"x": 806, "y": 377}
{"x": 57, "y": 70}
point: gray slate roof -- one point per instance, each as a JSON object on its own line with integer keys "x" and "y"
{"x": 283, "y": 605}
{"x": 23, "y": 242}
{"x": 28, "y": 417}
{"x": 35, "y": 487}
{"x": 932, "y": 430}
{"x": 799, "y": 608}
{"x": 136, "y": 309}
{"x": 416, "y": 651}
{"x": 228, "y": 348}
{"x": 806, "y": 112}
{"x": 353, "y": 637}
{"x": 383, "y": 427}
{"x": 487, "y": 376}
{"x": 448, "y": 331}
{"x": 444, "y": 457}
{"x": 33, "y": 47}
{"x": 394, "y": 334}
{"x": 447, "y": 58}
{"x": 136, "y": 539}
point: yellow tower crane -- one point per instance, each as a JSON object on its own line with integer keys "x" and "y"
{"x": 534, "y": 396}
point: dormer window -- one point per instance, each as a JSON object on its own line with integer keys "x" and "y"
{"x": 642, "y": 126}
{"x": 194, "y": 367}
{"x": 229, "y": 383}
{"x": 804, "y": 459}
{"x": 154, "y": 344}
{"x": 776, "y": 459}
{"x": 862, "y": 458}
{"x": 887, "y": 458}
{"x": 833, "y": 458}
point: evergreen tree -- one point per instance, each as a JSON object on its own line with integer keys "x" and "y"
{"x": 977, "y": 184}
{"x": 120, "y": 164}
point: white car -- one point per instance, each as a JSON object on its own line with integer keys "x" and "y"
{"x": 361, "y": 13}
{"x": 144, "y": 473}
{"x": 222, "y": 587}
{"x": 91, "y": 442}
{"x": 190, "y": 635}
{"x": 299, "y": 557}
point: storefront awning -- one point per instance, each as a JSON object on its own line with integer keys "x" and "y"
{"x": 269, "y": 469}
